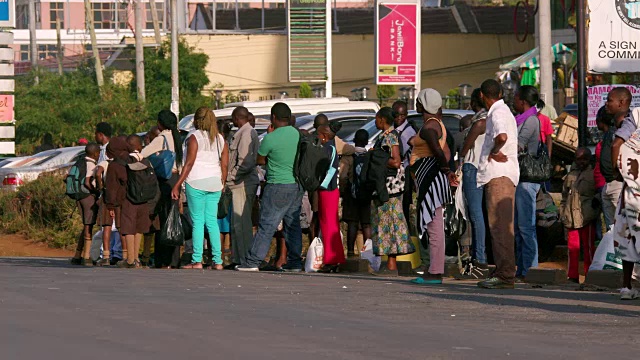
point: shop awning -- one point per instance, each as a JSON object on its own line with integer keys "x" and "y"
{"x": 531, "y": 59}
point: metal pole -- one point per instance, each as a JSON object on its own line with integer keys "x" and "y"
{"x": 329, "y": 83}
{"x": 418, "y": 46}
{"x": 175, "y": 90}
{"x": 582, "y": 73}
{"x": 213, "y": 15}
{"x": 262, "y": 15}
{"x": 154, "y": 18}
{"x": 237, "y": 19}
{"x": 546, "y": 59}
{"x": 137, "y": 13}
{"x": 94, "y": 43}
{"x": 33, "y": 47}
{"x": 59, "y": 54}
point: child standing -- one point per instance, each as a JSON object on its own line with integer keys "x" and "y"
{"x": 578, "y": 212}
{"x": 88, "y": 209}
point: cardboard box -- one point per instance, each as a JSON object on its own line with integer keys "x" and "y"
{"x": 571, "y": 121}
{"x": 568, "y": 132}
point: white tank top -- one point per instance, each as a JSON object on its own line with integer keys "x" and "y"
{"x": 206, "y": 173}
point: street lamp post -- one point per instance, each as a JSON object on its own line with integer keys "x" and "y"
{"x": 363, "y": 93}
{"x": 465, "y": 95}
{"x": 283, "y": 94}
{"x": 218, "y": 94}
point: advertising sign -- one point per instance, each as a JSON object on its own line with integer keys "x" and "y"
{"x": 7, "y": 13}
{"x": 614, "y": 35}
{"x": 308, "y": 40}
{"x": 597, "y": 97}
{"x": 397, "y": 36}
{"x": 6, "y": 108}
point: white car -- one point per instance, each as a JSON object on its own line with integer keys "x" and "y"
{"x": 17, "y": 171}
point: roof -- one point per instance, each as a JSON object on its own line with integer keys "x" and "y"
{"x": 69, "y": 63}
{"x": 531, "y": 59}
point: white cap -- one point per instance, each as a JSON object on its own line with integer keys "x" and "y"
{"x": 431, "y": 100}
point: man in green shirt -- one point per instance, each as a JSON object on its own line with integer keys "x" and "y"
{"x": 282, "y": 197}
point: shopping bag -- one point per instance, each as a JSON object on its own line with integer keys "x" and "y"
{"x": 172, "y": 233}
{"x": 367, "y": 254}
{"x": 314, "y": 256}
{"x": 607, "y": 255}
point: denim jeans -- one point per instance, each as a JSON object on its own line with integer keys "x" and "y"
{"x": 203, "y": 209}
{"x": 473, "y": 195}
{"x": 525, "y": 227}
{"x": 279, "y": 202}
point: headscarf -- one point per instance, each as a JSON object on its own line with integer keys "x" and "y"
{"x": 118, "y": 148}
{"x": 169, "y": 121}
{"x": 520, "y": 119}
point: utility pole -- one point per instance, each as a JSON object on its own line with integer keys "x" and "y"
{"x": 60, "y": 54}
{"x": 94, "y": 43}
{"x": 33, "y": 47}
{"x": 581, "y": 25}
{"x": 546, "y": 61}
{"x": 156, "y": 24}
{"x": 175, "y": 90}
{"x": 137, "y": 13}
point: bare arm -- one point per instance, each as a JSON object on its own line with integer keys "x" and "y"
{"x": 615, "y": 151}
{"x": 192, "y": 151}
{"x": 549, "y": 143}
{"x": 430, "y": 133}
{"x": 261, "y": 160}
{"x": 224, "y": 163}
{"x": 496, "y": 153}
{"x": 477, "y": 129}
{"x": 99, "y": 182}
{"x": 394, "y": 161}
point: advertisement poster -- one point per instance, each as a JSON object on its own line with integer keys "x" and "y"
{"x": 597, "y": 97}
{"x": 397, "y": 51}
{"x": 614, "y": 36}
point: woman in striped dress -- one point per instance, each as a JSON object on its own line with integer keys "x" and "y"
{"x": 432, "y": 175}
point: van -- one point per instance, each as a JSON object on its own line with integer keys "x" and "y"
{"x": 299, "y": 107}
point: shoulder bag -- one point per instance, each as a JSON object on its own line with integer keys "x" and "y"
{"x": 163, "y": 161}
{"x": 395, "y": 177}
{"x": 535, "y": 168}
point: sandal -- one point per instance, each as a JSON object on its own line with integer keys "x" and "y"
{"x": 192, "y": 266}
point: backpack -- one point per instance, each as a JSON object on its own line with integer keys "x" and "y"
{"x": 311, "y": 163}
{"x": 142, "y": 182}
{"x": 370, "y": 181}
{"x": 74, "y": 181}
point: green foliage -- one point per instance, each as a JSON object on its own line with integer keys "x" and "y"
{"x": 69, "y": 107}
{"x": 305, "y": 91}
{"x": 385, "y": 92}
{"x": 41, "y": 211}
{"x": 452, "y": 99}
{"x": 193, "y": 79}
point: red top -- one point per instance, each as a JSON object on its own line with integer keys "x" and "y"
{"x": 545, "y": 127}
{"x": 597, "y": 175}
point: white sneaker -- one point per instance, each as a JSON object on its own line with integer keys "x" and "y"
{"x": 629, "y": 294}
{"x": 246, "y": 268}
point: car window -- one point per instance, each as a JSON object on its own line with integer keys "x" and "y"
{"x": 34, "y": 160}
{"x": 370, "y": 127}
{"x": 350, "y": 126}
{"x": 301, "y": 123}
{"x": 451, "y": 122}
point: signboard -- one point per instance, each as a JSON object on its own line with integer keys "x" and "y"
{"x": 397, "y": 47}
{"x": 7, "y": 13}
{"x": 6, "y": 108}
{"x": 307, "y": 38}
{"x": 7, "y": 147}
{"x": 614, "y": 36}
{"x": 7, "y": 132}
{"x": 597, "y": 97}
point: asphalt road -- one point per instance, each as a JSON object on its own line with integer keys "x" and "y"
{"x": 49, "y": 310}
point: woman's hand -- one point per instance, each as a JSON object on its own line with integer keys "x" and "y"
{"x": 175, "y": 193}
{"x": 453, "y": 179}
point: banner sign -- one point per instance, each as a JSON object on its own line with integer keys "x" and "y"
{"x": 7, "y": 13}
{"x": 614, "y": 36}
{"x": 6, "y": 108}
{"x": 397, "y": 34}
{"x": 307, "y": 40}
{"x": 597, "y": 97}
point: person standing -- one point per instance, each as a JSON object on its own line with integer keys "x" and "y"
{"x": 577, "y": 212}
{"x": 169, "y": 140}
{"x": 603, "y": 166}
{"x": 618, "y": 105}
{"x": 432, "y": 173}
{"x": 526, "y": 100}
{"x": 282, "y": 197}
{"x": 204, "y": 173}
{"x": 243, "y": 182}
{"x": 499, "y": 173}
{"x": 405, "y": 132}
{"x": 474, "y": 195}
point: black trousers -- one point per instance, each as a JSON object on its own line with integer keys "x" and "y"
{"x": 166, "y": 255}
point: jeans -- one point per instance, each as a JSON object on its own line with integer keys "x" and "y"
{"x": 473, "y": 194}
{"x": 525, "y": 227}
{"x": 279, "y": 202}
{"x": 203, "y": 208}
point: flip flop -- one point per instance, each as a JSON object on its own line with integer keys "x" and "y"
{"x": 421, "y": 281}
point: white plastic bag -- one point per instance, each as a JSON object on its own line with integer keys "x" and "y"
{"x": 606, "y": 255}
{"x": 314, "y": 256}
{"x": 367, "y": 254}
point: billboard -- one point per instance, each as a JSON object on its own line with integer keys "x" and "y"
{"x": 614, "y": 36}
{"x": 397, "y": 47}
{"x": 307, "y": 39}
{"x": 597, "y": 97}
{"x": 7, "y": 13}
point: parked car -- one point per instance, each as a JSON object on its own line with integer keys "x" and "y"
{"x": 24, "y": 169}
{"x": 351, "y": 122}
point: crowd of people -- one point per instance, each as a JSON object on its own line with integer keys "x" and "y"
{"x": 398, "y": 188}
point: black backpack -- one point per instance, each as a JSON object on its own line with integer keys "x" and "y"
{"x": 359, "y": 190}
{"x": 373, "y": 176}
{"x": 606, "y": 165}
{"x": 142, "y": 182}
{"x": 74, "y": 182}
{"x": 311, "y": 163}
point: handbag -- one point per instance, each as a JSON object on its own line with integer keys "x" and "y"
{"x": 395, "y": 180}
{"x": 163, "y": 161}
{"x": 535, "y": 168}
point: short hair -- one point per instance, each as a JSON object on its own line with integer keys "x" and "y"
{"x": 281, "y": 111}
{"x": 490, "y": 89}
{"x": 623, "y": 93}
{"x": 386, "y": 113}
{"x": 104, "y": 128}
{"x": 465, "y": 122}
{"x": 531, "y": 96}
{"x": 584, "y": 150}
{"x": 92, "y": 148}
{"x": 240, "y": 112}
{"x": 335, "y": 126}
{"x": 399, "y": 104}
{"x": 475, "y": 97}
{"x": 325, "y": 129}
{"x": 604, "y": 117}
{"x": 134, "y": 140}
{"x": 361, "y": 138}
{"x": 319, "y": 120}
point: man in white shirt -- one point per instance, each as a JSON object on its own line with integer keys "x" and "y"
{"x": 499, "y": 173}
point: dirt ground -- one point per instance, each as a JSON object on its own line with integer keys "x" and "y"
{"x": 19, "y": 245}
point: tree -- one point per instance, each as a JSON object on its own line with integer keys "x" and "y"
{"x": 193, "y": 78}
{"x": 385, "y": 92}
{"x": 305, "y": 91}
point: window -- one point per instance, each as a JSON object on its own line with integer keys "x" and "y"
{"x": 104, "y": 15}
{"x": 22, "y": 16}
{"x": 44, "y": 52}
{"x": 149, "y": 18}
{"x": 56, "y": 12}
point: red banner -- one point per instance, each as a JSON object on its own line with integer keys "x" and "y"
{"x": 397, "y": 56}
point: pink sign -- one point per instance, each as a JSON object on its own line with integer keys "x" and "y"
{"x": 397, "y": 56}
{"x": 597, "y": 97}
{"x": 6, "y": 108}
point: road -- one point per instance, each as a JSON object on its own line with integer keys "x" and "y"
{"x": 53, "y": 311}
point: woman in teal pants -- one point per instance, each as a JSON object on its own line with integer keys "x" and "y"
{"x": 204, "y": 173}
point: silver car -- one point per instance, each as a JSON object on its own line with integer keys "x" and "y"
{"x": 17, "y": 171}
